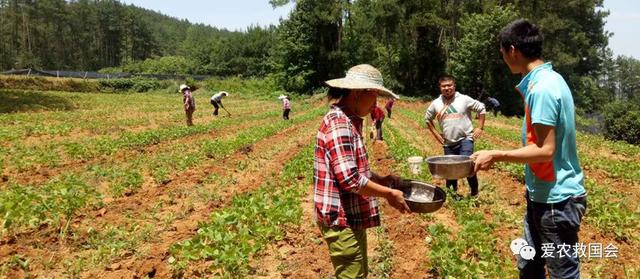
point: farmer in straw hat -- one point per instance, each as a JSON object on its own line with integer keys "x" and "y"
{"x": 286, "y": 106}
{"x": 344, "y": 187}
{"x": 188, "y": 102}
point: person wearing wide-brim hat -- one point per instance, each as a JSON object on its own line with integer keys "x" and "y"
{"x": 345, "y": 190}
{"x": 286, "y": 106}
{"x": 188, "y": 102}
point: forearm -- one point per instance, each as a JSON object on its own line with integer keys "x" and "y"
{"x": 374, "y": 189}
{"x": 481, "y": 118}
{"x": 528, "y": 154}
{"x": 433, "y": 131}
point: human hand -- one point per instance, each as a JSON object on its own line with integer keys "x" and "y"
{"x": 483, "y": 160}
{"x": 477, "y": 133}
{"x": 396, "y": 200}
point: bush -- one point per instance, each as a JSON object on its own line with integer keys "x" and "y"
{"x": 131, "y": 84}
{"x": 172, "y": 65}
{"x": 256, "y": 88}
{"x": 622, "y": 122}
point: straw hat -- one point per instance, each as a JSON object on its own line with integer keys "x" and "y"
{"x": 363, "y": 76}
{"x": 183, "y": 87}
{"x": 282, "y": 97}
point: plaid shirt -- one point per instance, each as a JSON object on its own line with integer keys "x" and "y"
{"x": 286, "y": 104}
{"x": 341, "y": 168}
{"x": 187, "y": 99}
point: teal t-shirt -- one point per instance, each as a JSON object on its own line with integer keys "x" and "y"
{"x": 548, "y": 101}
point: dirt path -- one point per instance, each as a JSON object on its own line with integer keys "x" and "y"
{"x": 301, "y": 254}
{"x": 415, "y": 241}
{"x": 406, "y": 232}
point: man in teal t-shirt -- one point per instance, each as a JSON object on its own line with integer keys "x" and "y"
{"x": 556, "y": 198}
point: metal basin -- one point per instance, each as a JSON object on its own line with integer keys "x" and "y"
{"x": 450, "y": 166}
{"x": 422, "y": 197}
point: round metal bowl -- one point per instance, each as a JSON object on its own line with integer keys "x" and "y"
{"x": 450, "y": 166}
{"x": 414, "y": 196}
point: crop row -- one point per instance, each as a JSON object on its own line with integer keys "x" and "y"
{"x": 23, "y": 158}
{"x": 628, "y": 170}
{"x": 470, "y": 252}
{"x": 102, "y": 113}
{"x": 16, "y": 203}
{"x": 232, "y": 236}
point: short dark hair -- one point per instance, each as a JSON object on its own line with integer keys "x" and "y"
{"x": 524, "y": 36}
{"x": 335, "y": 93}
{"x": 446, "y": 77}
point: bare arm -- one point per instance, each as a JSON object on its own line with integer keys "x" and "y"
{"x": 434, "y": 132}
{"x": 477, "y": 132}
{"x": 393, "y": 196}
{"x": 541, "y": 151}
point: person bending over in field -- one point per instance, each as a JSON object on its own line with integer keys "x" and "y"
{"x": 216, "y": 101}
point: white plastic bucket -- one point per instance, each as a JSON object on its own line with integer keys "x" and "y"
{"x": 415, "y": 164}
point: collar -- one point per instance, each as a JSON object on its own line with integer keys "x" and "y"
{"x": 523, "y": 86}
{"x": 445, "y": 101}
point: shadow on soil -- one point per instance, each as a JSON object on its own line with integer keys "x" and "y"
{"x": 29, "y": 101}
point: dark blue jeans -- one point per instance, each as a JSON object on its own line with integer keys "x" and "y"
{"x": 556, "y": 224}
{"x": 463, "y": 147}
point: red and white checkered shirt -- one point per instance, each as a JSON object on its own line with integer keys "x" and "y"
{"x": 341, "y": 168}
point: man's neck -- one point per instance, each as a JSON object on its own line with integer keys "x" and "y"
{"x": 530, "y": 65}
{"x": 448, "y": 99}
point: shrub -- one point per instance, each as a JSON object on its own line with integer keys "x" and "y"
{"x": 622, "y": 122}
{"x": 131, "y": 84}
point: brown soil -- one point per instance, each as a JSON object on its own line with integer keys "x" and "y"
{"x": 135, "y": 209}
{"x": 41, "y": 174}
{"x": 509, "y": 198}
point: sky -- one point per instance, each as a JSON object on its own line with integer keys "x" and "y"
{"x": 623, "y": 20}
{"x": 234, "y": 15}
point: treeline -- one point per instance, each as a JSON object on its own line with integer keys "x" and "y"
{"x": 414, "y": 42}
{"x": 98, "y": 34}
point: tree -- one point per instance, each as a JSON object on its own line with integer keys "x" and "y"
{"x": 477, "y": 63}
{"x": 308, "y": 49}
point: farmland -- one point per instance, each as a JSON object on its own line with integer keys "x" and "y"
{"x": 101, "y": 185}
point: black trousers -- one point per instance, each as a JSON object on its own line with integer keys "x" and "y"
{"x": 379, "y": 130}
{"x": 285, "y": 114}
{"x": 216, "y": 106}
